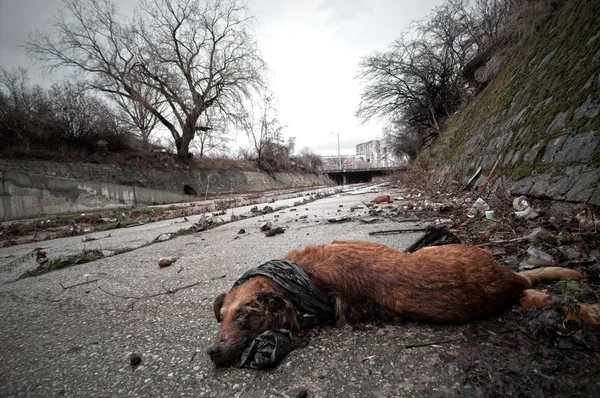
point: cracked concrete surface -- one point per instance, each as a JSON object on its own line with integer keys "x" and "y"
{"x": 77, "y": 341}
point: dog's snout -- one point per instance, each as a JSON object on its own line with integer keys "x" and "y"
{"x": 214, "y": 350}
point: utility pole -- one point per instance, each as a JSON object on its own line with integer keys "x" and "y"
{"x": 339, "y": 156}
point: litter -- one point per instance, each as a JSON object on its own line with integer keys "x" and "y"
{"x": 479, "y": 207}
{"x": 537, "y": 258}
{"x": 528, "y": 214}
{"x": 520, "y": 203}
{"x": 266, "y": 350}
{"x": 382, "y": 199}
{"x": 434, "y": 236}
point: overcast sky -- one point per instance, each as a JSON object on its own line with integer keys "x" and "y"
{"x": 312, "y": 48}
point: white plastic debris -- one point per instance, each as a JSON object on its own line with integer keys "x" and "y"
{"x": 520, "y": 203}
{"x": 537, "y": 258}
{"x": 479, "y": 207}
{"x": 528, "y": 214}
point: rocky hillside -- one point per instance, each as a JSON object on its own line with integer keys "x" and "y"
{"x": 538, "y": 120}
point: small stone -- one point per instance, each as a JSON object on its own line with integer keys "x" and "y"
{"x": 241, "y": 231}
{"x": 134, "y": 359}
{"x": 302, "y": 394}
{"x": 267, "y": 226}
{"x": 275, "y": 231}
{"x": 166, "y": 261}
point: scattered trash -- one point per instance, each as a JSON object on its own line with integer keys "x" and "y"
{"x": 338, "y": 219}
{"x": 539, "y": 235}
{"x": 162, "y": 237}
{"x": 479, "y": 207}
{"x": 490, "y": 214}
{"x": 536, "y": 258}
{"x": 275, "y": 231}
{"x": 586, "y": 222}
{"x": 473, "y": 177}
{"x": 382, "y": 199}
{"x": 523, "y": 209}
{"x": 520, "y": 203}
{"x": 266, "y": 350}
{"x": 166, "y": 261}
{"x": 433, "y": 237}
{"x": 267, "y": 226}
{"x": 528, "y": 214}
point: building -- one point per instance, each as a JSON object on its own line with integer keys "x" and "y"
{"x": 370, "y": 151}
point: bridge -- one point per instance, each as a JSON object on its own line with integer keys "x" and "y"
{"x": 359, "y": 171}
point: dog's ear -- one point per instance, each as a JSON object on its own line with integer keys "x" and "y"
{"x": 279, "y": 311}
{"x": 270, "y": 302}
{"x": 218, "y": 304}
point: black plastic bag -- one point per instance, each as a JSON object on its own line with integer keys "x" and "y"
{"x": 313, "y": 307}
{"x": 434, "y": 237}
{"x": 266, "y": 350}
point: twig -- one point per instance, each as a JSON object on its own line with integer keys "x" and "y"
{"x": 487, "y": 180}
{"x": 167, "y": 290}
{"x": 408, "y": 219}
{"x": 543, "y": 375}
{"x": 499, "y": 242}
{"x": 77, "y": 284}
{"x": 397, "y": 231}
{"x": 435, "y": 342}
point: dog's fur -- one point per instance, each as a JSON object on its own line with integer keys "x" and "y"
{"x": 368, "y": 281}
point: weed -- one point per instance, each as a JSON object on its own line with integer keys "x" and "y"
{"x": 123, "y": 250}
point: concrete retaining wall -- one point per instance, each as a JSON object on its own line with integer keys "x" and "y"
{"x": 26, "y": 195}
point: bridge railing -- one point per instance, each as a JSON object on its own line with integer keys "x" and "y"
{"x": 361, "y": 166}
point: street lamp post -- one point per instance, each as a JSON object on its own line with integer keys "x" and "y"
{"x": 339, "y": 156}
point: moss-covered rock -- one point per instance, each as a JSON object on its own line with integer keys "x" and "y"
{"x": 540, "y": 116}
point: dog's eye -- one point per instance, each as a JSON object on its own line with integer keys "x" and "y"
{"x": 241, "y": 318}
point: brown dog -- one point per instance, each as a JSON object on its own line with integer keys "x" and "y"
{"x": 367, "y": 281}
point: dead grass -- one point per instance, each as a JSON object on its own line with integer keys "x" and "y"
{"x": 128, "y": 158}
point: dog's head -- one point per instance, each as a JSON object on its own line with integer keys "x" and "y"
{"x": 246, "y": 311}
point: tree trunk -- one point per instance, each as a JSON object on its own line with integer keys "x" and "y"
{"x": 183, "y": 144}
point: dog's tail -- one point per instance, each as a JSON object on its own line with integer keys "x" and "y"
{"x": 549, "y": 274}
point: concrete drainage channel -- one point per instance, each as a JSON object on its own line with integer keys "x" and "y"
{"x": 39, "y": 257}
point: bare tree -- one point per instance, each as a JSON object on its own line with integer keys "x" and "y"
{"x": 213, "y": 139}
{"x": 261, "y": 125}
{"x": 79, "y": 114}
{"x": 26, "y": 114}
{"x": 419, "y": 82}
{"x": 308, "y": 160}
{"x": 136, "y": 117}
{"x": 191, "y": 54}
